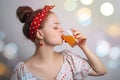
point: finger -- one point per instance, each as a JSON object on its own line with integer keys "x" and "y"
{"x": 76, "y": 33}
{"x": 81, "y": 37}
{"x": 73, "y": 29}
{"x": 78, "y": 36}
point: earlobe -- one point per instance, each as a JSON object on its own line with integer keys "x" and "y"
{"x": 39, "y": 34}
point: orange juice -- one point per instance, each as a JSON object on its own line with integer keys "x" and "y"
{"x": 70, "y": 40}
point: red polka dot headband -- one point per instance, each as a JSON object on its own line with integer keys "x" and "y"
{"x": 36, "y": 22}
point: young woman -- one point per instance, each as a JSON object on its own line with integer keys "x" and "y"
{"x": 43, "y": 28}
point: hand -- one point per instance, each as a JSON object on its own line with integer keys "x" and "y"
{"x": 80, "y": 37}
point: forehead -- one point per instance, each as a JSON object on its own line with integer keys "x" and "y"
{"x": 52, "y": 18}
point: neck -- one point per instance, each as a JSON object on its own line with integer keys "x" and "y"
{"x": 44, "y": 54}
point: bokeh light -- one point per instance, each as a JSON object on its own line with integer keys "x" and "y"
{"x": 86, "y": 2}
{"x": 2, "y": 44}
{"x": 113, "y": 64}
{"x": 83, "y": 15}
{"x": 74, "y": 0}
{"x": 113, "y": 30}
{"x": 2, "y": 35}
{"x": 107, "y": 9}
{"x": 4, "y": 70}
{"x": 10, "y": 51}
{"x": 85, "y": 22}
{"x": 114, "y": 53}
{"x": 70, "y": 5}
{"x": 103, "y": 48}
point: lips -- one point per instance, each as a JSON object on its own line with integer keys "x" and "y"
{"x": 62, "y": 37}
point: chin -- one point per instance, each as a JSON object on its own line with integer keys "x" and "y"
{"x": 59, "y": 43}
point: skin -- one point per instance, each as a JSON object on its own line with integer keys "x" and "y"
{"x": 40, "y": 63}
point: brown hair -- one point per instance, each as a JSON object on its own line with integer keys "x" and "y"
{"x": 26, "y": 14}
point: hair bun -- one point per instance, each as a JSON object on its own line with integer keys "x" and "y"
{"x": 24, "y": 13}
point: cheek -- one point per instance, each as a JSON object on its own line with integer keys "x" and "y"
{"x": 49, "y": 38}
{"x": 52, "y": 38}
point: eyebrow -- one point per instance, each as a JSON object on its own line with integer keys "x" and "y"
{"x": 57, "y": 23}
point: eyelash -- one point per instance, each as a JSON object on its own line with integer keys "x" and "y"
{"x": 55, "y": 27}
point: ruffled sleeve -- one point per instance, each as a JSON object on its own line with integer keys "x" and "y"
{"x": 18, "y": 72}
{"x": 80, "y": 67}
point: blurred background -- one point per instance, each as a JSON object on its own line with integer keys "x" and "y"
{"x": 98, "y": 19}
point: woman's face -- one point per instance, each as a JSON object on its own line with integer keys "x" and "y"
{"x": 52, "y": 31}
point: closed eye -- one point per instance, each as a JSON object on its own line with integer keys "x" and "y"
{"x": 55, "y": 27}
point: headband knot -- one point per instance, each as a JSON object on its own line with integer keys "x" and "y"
{"x": 36, "y": 22}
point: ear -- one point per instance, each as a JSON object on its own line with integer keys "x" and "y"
{"x": 39, "y": 34}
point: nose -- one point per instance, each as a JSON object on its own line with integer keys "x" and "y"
{"x": 61, "y": 29}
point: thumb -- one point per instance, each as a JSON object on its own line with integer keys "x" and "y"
{"x": 73, "y": 29}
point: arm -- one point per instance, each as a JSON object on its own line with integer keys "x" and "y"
{"x": 94, "y": 61}
{"x": 97, "y": 66}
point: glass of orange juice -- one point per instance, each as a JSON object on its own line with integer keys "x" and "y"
{"x": 69, "y": 38}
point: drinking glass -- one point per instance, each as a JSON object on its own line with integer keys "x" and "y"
{"x": 69, "y": 38}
